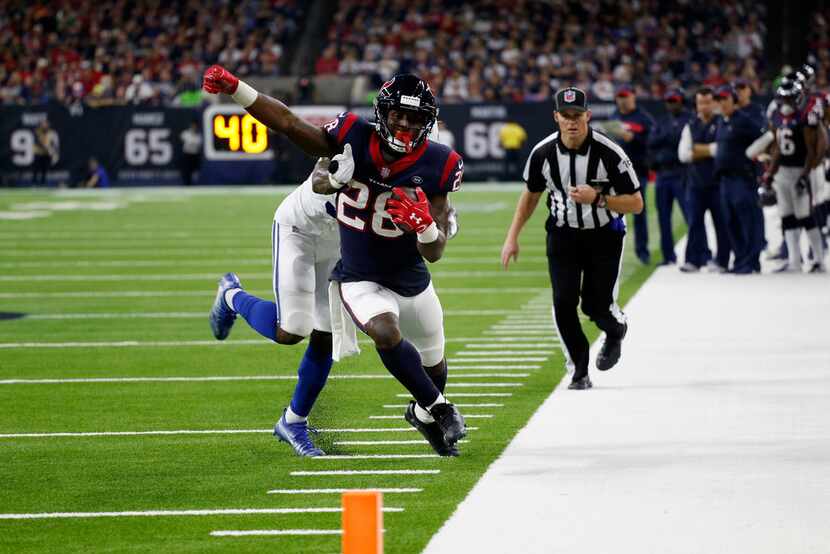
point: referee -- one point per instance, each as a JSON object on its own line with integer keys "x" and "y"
{"x": 590, "y": 184}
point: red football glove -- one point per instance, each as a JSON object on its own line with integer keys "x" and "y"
{"x": 218, "y": 79}
{"x": 408, "y": 213}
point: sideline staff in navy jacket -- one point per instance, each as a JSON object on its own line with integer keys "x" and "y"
{"x": 697, "y": 146}
{"x": 637, "y": 125}
{"x": 743, "y": 216}
{"x": 671, "y": 174}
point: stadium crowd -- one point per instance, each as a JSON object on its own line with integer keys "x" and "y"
{"x": 141, "y": 51}
{"x": 492, "y": 51}
{"x": 481, "y": 51}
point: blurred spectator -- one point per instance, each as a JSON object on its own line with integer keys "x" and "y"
{"x": 328, "y": 63}
{"x": 191, "y": 152}
{"x": 96, "y": 176}
{"x": 512, "y": 137}
{"x": 45, "y": 152}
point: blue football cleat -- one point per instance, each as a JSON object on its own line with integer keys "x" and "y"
{"x": 296, "y": 434}
{"x": 221, "y": 317}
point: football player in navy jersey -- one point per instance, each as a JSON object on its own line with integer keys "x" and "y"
{"x": 385, "y": 231}
{"x": 798, "y": 149}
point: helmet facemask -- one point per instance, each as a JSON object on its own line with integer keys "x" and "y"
{"x": 419, "y": 103}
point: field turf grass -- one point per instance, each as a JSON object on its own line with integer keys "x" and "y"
{"x": 118, "y": 284}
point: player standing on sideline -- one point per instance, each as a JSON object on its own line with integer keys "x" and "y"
{"x": 382, "y": 279}
{"x": 798, "y": 149}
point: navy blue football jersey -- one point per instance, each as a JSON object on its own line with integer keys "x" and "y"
{"x": 789, "y": 132}
{"x": 372, "y": 248}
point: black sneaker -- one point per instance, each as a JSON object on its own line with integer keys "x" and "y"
{"x": 581, "y": 384}
{"x": 611, "y": 349}
{"x": 431, "y": 432}
{"x": 451, "y": 422}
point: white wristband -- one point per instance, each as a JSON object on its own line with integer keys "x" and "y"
{"x": 245, "y": 94}
{"x": 335, "y": 183}
{"x": 713, "y": 149}
{"x": 430, "y": 234}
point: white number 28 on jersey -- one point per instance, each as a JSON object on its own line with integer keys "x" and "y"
{"x": 376, "y": 216}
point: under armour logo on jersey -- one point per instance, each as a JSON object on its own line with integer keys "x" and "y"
{"x": 417, "y": 180}
{"x": 385, "y": 172}
{"x": 415, "y": 218}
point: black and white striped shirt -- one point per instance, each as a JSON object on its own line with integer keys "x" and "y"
{"x": 599, "y": 162}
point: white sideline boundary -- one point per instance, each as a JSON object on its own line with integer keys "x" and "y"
{"x": 710, "y": 435}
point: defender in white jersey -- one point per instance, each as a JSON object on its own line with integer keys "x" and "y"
{"x": 305, "y": 248}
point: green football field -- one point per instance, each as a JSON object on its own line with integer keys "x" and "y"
{"x": 120, "y": 415}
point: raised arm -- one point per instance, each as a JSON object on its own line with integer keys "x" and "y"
{"x": 269, "y": 111}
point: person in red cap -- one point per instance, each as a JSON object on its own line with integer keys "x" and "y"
{"x": 670, "y": 185}
{"x": 634, "y": 139}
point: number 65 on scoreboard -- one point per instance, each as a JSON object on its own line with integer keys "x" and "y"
{"x": 231, "y": 133}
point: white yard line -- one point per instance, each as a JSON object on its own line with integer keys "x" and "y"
{"x": 525, "y": 346}
{"x": 457, "y": 375}
{"x": 466, "y": 416}
{"x": 470, "y": 395}
{"x": 365, "y": 472}
{"x": 127, "y": 277}
{"x": 502, "y": 352}
{"x": 219, "y": 378}
{"x": 385, "y": 443}
{"x": 512, "y": 359}
{"x": 179, "y": 513}
{"x": 81, "y": 434}
{"x": 376, "y": 456}
{"x": 484, "y": 405}
{"x": 207, "y": 293}
{"x": 483, "y": 385}
{"x": 405, "y": 490}
{"x": 197, "y": 315}
{"x": 476, "y": 364}
{"x": 276, "y": 533}
{"x": 189, "y": 343}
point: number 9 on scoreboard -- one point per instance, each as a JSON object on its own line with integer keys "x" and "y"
{"x": 231, "y": 133}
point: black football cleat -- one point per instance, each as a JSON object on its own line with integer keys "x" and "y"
{"x": 451, "y": 422}
{"x": 583, "y": 383}
{"x": 431, "y": 432}
{"x": 610, "y": 352}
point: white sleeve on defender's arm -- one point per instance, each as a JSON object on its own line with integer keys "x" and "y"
{"x": 760, "y": 145}
{"x": 684, "y": 149}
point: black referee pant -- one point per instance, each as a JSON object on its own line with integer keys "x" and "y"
{"x": 584, "y": 264}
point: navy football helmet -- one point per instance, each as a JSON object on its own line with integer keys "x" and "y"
{"x": 808, "y": 75}
{"x": 789, "y": 95}
{"x": 405, "y": 92}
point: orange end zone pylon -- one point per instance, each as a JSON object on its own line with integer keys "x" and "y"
{"x": 362, "y": 522}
